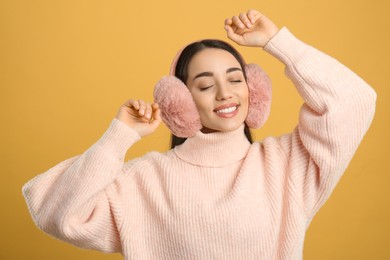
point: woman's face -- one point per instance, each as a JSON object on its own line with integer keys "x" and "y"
{"x": 219, "y": 89}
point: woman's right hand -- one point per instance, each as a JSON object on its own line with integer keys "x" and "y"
{"x": 141, "y": 116}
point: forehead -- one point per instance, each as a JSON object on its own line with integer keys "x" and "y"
{"x": 212, "y": 60}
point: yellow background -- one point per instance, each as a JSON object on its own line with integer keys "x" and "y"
{"x": 67, "y": 66}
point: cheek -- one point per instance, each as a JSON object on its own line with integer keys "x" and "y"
{"x": 202, "y": 103}
{"x": 245, "y": 102}
{"x": 203, "y": 107}
{"x": 244, "y": 95}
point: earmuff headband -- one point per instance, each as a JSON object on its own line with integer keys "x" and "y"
{"x": 178, "y": 109}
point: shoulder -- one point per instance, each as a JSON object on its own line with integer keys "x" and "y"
{"x": 273, "y": 146}
{"x": 150, "y": 160}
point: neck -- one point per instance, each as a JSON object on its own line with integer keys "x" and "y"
{"x": 206, "y": 130}
{"x": 175, "y": 141}
{"x": 214, "y": 149}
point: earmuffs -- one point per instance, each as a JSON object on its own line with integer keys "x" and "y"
{"x": 179, "y": 112}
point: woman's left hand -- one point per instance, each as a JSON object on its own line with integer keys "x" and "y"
{"x": 250, "y": 29}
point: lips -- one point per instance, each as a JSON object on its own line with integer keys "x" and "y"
{"x": 227, "y": 110}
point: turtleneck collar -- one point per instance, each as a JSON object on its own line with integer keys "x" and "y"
{"x": 214, "y": 149}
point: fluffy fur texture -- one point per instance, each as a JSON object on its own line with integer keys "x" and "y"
{"x": 178, "y": 109}
{"x": 260, "y": 94}
{"x": 179, "y": 112}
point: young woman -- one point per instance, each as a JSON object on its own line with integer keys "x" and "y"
{"x": 217, "y": 195}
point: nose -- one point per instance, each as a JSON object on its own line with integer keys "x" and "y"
{"x": 223, "y": 92}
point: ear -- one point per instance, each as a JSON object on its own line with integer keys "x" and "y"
{"x": 260, "y": 94}
{"x": 178, "y": 109}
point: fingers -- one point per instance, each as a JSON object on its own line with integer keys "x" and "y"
{"x": 156, "y": 116}
{"x": 237, "y": 22}
{"x": 156, "y": 111}
{"x": 139, "y": 115}
{"x": 228, "y": 22}
{"x": 248, "y": 29}
{"x": 243, "y": 20}
{"x": 231, "y": 34}
{"x": 144, "y": 109}
{"x": 238, "y": 25}
{"x": 253, "y": 15}
{"x": 132, "y": 104}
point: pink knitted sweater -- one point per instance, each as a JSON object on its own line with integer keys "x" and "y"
{"x": 216, "y": 196}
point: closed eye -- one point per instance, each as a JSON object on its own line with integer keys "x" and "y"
{"x": 205, "y": 88}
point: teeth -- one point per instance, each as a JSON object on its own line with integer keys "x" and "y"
{"x": 226, "y": 110}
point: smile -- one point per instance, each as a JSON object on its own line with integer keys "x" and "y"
{"x": 226, "y": 110}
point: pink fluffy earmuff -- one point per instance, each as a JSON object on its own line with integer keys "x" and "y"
{"x": 179, "y": 112}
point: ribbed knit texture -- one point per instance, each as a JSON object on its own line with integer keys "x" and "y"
{"x": 216, "y": 196}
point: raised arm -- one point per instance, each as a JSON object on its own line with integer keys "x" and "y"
{"x": 338, "y": 109}
{"x": 80, "y": 199}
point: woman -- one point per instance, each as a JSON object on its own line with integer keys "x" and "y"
{"x": 217, "y": 195}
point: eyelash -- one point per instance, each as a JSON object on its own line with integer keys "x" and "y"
{"x": 205, "y": 88}
{"x": 233, "y": 81}
{"x": 236, "y": 81}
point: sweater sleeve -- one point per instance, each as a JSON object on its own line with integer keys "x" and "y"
{"x": 337, "y": 111}
{"x": 78, "y": 200}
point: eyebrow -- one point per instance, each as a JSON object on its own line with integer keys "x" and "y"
{"x": 210, "y": 74}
